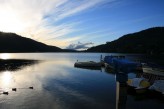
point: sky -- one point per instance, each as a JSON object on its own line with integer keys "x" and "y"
{"x": 79, "y": 24}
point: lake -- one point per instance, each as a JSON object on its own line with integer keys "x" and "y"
{"x": 59, "y": 85}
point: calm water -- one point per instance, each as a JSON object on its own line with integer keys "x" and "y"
{"x": 58, "y": 85}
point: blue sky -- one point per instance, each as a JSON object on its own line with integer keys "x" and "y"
{"x": 79, "y": 23}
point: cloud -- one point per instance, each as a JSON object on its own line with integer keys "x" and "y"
{"x": 71, "y": 8}
{"x": 40, "y": 19}
{"x": 63, "y": 43}
{"x": 80, "y": 46}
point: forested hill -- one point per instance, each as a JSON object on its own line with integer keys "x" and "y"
{"x": 11, "y": 42}
{"x": 148, "y": 41}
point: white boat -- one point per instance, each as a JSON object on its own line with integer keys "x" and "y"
{"x": 158, "y": 86}
{"x": 151, "y": 70}
{"x": 88, "y": 64}
{"x": 139, "y": 84}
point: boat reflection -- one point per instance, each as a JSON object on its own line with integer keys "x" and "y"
{"x": 15, "y": 64}
{"x": 89, "y": 68}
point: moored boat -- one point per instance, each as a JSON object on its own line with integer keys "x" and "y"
{"x": 139, "y": 84}
{"x": 158, "y": 86}
{"x": 153, "y": 70}
{"x": 121, "y": 64}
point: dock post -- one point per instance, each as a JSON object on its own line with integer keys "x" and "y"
{"x": 121, "y": 90}
{"x": 100, "y": 58}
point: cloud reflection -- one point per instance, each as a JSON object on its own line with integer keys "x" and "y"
{"x": 15, "y": 64}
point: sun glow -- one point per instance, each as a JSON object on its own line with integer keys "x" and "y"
{"x": 9, "y": 22}
{"x": 5, "y": 56}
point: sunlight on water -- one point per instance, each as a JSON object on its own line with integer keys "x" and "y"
{"x": 5, "y": 56}
{"x": 6, "y": 78}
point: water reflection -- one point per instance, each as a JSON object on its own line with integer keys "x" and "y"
{"x": 15, "y": 64}
{"x": 8, "y": 68}
{"x": 58, "y": 85}
{"x": 90, "y": 68}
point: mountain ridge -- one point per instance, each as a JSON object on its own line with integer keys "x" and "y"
{"x": 149, "y": 41}
{"x": 11, "y": 42}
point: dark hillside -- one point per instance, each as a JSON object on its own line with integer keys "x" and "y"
{"x": 10, "y": 42}
{"x": 149, "y": 41}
